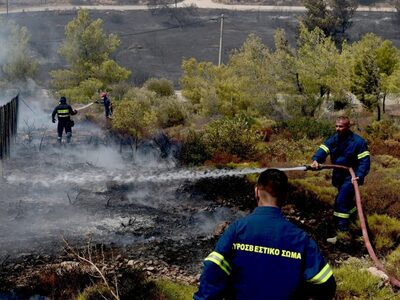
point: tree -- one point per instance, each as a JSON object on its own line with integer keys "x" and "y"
{"x": 198, "y": 85}
{"x": 341, "y": 13}
{"x": 249, "y": 77}
{"x": 86, "y": 50}
{"x": 135, "y": 118}
{"x": 333, "y": 21}
{"x": 16, "y": 61}
{"x": 374, "y": 70}
{"x": 316, "y": 66}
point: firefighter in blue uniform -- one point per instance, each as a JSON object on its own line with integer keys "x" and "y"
{"x": 63, "y": 112}
{"x": 347, "y": 149}
{"x": 264, "y": 256}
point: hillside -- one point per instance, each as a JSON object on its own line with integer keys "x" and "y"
{"x": 153, "y": 43}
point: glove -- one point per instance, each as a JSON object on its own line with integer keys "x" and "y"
{"x": 53, "y": 120}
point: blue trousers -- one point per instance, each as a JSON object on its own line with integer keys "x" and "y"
{"x": 344, "y": 205}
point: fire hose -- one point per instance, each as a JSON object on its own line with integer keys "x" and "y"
{"x": 394, "y": 281}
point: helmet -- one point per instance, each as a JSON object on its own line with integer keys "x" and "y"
{"x": 103, "y": 94}
{"x": 63, "y": 100}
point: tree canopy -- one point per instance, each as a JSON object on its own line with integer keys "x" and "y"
{"x": 87, "y": 51}
{"x": 16, "y": 61}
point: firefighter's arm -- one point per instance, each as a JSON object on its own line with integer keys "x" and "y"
{"x": 72, "y": 111}
{"x": 217, "y": 269}
{"x": 364, "y": 162}
{"x": 321, "y": 154}
{"x": 53, "y": 115}
{"x": 319, "y": 282}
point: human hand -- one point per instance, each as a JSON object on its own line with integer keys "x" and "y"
{"x": 354, "y": 179}
{"x": 53, "y": 120}
{"x": 314, "y": 165}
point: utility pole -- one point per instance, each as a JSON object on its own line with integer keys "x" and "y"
{"x": 220, "y": 40}
{"x": 7, "y": 8}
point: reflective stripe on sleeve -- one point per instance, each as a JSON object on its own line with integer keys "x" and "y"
{"x": 341, "y": 215}
{"x": 325, "y": 148}
{"x": 353, "y": 210}
{"x": 322, "y": 276}
{"x": 220, "y": 261}
{"x": 363, "y": 154}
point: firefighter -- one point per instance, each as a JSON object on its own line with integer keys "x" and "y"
{"x": 107, "y": 104}
{"x": 347, "y": 149}
{"x": 264, "y": 256}
{"x": 64, "y": 112}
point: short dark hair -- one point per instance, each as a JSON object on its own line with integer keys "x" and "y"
{"x": 275, "y": 182}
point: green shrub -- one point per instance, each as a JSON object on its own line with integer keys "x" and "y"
{"x": 393, "y": 263}
{"x": 170, "y": 112}
{"x": 95, "y": 292}
{"x": 171, "y": 290}
{"x": 318, "y": 185}
{"x": 232, "y": 136}
{"x": 297, "y": 152}
{"x": 301, "y": 127}
{"x": 383, "y": 129}
{"x": 355, "y": 282}
{"x": 193, "y": 150}
{"x": 382, "y": 198}
{"x": 386, "y": 232}
{"x": 162, "y": 87}
{"x": 387, "y": 161}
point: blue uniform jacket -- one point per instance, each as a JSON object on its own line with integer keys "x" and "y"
{"x": 349, "y": 150}
{"x": 262, "y": 256}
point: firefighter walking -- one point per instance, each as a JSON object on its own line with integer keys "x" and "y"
{"x": 64, "y": 112}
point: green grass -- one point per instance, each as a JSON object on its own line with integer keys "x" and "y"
{"x": 175, "y": 291}
{"x": 355, "y": 282}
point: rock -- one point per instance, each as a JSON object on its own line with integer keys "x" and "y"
{"x": 378, "y": 273}
{"x": 130, "y": 262}
{"x": 69, "y": 265}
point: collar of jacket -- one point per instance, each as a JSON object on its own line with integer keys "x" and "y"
{"x": 267, "y": 210}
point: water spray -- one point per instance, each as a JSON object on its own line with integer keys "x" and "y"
{"x": 85, "y": 106}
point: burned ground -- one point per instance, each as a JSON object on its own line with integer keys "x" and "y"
{"x": 153, "y": 43}
{"x": 139, "y": 211}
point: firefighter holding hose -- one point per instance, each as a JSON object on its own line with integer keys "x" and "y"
{"x": 346, "y": 149}
{"x": 64, "y": 112}
{"x": 264, "y": 256}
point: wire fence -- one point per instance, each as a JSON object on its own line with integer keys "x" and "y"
{"x": 8, "y": 126}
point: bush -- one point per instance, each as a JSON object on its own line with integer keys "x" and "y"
{"x": 193, "y": 150}
{"x": 95, "y": 292}
{"x": 393, "y": 263}
{"x": 355, "y": 282}
{"x": 175, "y": 291}
{"x": 232, "y": 136}
{"x": 382, "y": 198}
{"x": 162, "y": 87}
{"x": 280, "y": 149}
{"x": 170, "y": 112}
{"x": 307, "y": 127}
{"x": 386, "y": 232}
{"x": 383, "y": 129}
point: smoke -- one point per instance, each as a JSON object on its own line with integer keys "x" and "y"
{"x": 92, "y": 187}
